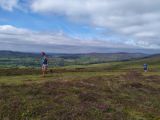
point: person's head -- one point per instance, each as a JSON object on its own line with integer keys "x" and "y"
{"x": 43, "y": 53}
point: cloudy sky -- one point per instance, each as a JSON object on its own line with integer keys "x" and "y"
{"x": 78, "y": 26}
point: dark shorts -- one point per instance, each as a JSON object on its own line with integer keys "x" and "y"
{"x": 145, "y": 68}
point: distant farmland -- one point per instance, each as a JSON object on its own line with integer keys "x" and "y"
{"x": 18, "y": 59}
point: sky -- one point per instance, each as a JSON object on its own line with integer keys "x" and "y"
{"x": 80, "y": 26}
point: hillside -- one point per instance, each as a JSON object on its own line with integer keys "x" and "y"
{"x": 152, "y": 59}
{"x": 20, "y": 59}
{"x": 10, "y": 54}
{"x": 108, "y": 91}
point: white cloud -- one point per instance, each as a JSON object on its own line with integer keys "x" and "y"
{"x": 133, "y": 19}
{"x": 8, "y": 4}
{"x": 11, "y": 35}
{"x": 138, "y": 21}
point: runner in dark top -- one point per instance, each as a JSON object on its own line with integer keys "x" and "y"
{"x": 145, "y": 67}
{"x": 44, "y": 64}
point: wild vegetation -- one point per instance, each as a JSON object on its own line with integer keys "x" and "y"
{"x": 108, "y": 91}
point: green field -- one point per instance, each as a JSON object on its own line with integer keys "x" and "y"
{"x": 109, "y": 91}
{"x": 10, "y": 59}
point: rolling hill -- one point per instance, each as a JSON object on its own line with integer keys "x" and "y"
{"x": 107, "y": 91}
{"x": 21, "y": 59}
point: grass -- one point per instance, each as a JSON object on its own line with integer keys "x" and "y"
{"x": 66, "y": 76}
{"x": 95, "y": 92}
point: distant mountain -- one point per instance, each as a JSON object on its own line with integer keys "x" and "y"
{"x": 14, "y": 59}
{"x": 152, "y": 60}
{"x": 105, "y": 56}
{"x": 121, "y": 56}
{"x": 17, "y": 54}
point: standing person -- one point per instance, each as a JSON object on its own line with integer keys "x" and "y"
{"x": 44, "y": 64}
{"x": 145, "y": 67}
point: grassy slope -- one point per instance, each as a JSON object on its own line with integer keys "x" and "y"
{"x": 110, "y": 91}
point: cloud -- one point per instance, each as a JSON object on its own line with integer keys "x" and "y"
{"x": 138, "y": 20}
{"x": 8, "y": 4}
{"x": 133, "y": 23}
{"x": 11, "y": 36}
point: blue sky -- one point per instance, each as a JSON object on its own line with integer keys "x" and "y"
{"x": 87, "y": 25}
{"x": 51, "y": 23}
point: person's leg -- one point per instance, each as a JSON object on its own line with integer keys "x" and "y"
{"x": 45, "y": 67}
{"x": 43, "y": 70}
